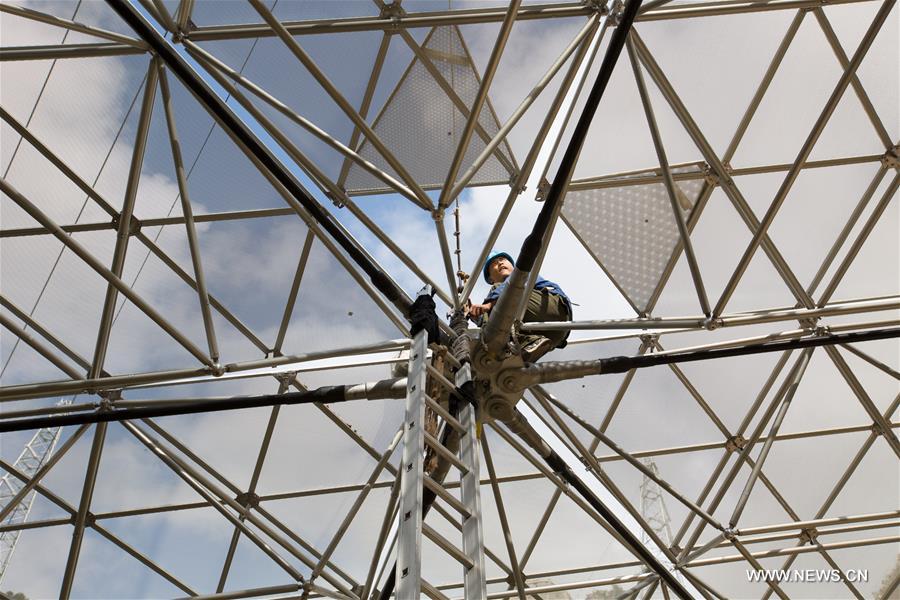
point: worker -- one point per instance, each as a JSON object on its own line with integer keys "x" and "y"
{"x": 546, "y": 302}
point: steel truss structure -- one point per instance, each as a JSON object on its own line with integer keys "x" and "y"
{"x": 220, "y": 451}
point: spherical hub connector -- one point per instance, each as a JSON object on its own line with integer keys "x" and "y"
{"x": 484, "y": 362}
{"x": 498, "y": 408}
{"x": 218, "y": 370}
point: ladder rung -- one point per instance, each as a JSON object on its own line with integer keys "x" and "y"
{"x": 446, "y": 496}
{"x": 436, "y": 407}
{"x": 446, "y": 454}
{"x": 449, "y": 548}
{"x": 432, "y": 372}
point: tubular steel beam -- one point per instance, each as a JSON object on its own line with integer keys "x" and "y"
{"x": 102, "y": 270}
{"x": 188, "y": 213}
{"x": 64, "y": 51}
{"x": 266, "y": 158}
{"x": 805, "y": 151}
{"x": 123, "y": 233}
{"x": 341, "y": 101}
{"x": 480, "y": 97}
{"x": 560, "y": 371}
{"x": 388, "y": 388}
{"x": 683, "y": 232}
{"x": 34, "y": 15}
{"x": 590, "y": 41}
{"x": 495, "y": 15}
{"x": 557, "y": 465}
{"x": 84, "y": 506}
{"x": 496, "y": 332}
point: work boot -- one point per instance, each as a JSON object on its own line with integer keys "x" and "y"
{"x": 536, "y": 348}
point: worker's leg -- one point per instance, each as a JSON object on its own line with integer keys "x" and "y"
{"x": 546, "y": 307}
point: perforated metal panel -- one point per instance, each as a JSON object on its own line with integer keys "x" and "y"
{"x": 630, "y": 230}
{"x": 421, "y": 124}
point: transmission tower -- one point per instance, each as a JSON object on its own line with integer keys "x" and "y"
{"x": 34, "y": 455}
{"x": 653, "y": 508}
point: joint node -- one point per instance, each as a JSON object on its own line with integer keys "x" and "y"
{"x": 614, "y": 12}
{"x": 822, "y": 331}
{"x": 218, "y": 370}
{"x": 437, "y": 215}
{"x": 735, "y": 443}
{"x": 134, "y": 226}
{"x": 392, "y": 11}
{"x": 247, "y": 499}
{"x": 89, "y": 519}
{"x": 891, "y": 158}
{"x": 809, "y": 536}
{"x": 287, "y": 377}
{"x": 542, "y": 190}
{"x": 709, "y": 175}
{"x": 108, "y": 400}
{"x": 712, "y": 324}
{"x": 730, "y": 533}
{"x": 649, "y": 338}
{"x": 675, "y": 549}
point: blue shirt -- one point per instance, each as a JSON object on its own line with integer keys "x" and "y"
{"x": 540, "y": 285}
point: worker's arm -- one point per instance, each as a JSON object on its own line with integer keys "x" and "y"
{"x": 477, "y": 310}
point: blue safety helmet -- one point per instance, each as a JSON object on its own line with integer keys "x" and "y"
{"x": 493, "y": 256}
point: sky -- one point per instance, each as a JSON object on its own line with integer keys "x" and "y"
{"x": 88, "y": 115}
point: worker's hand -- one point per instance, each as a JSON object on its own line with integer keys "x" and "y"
{"x": 478, "y": 310}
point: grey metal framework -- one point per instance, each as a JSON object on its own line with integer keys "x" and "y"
{"x": 538, "y": 485}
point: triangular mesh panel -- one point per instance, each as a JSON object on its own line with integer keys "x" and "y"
{"x": 630, "y": 230}
{"x": 421, "y": 125}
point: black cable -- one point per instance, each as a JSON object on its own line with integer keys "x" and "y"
{"x": 328, "y": 394}
{"x": 621, "y": 364}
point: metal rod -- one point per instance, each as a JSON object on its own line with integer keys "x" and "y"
{"x": 835, "y": 44}
{"x": 557, "y": 465}
{"x": 42, "y": 331}
{"x": 58, "y": 388}
{"x": 526, "y": 103}
{"x": 667, "y": 180}
{"x": 518, "y": 579}
{"x": 123, "y": 233}
{"x": 889, "y": 194}
{"x": 84, "y": 506}
{"x": 34, "y": 15}
{"x": 40, "y": 348}
{"x": 591, "y": 41}
{"x": 197, "y": 484}
{"x": 292, "y": 295}
{"x": 39, "y": 474}
{"x": 342, "y": 102}
{"x": 793, "y": 378}
{"x": 487, "y": 78}
{"x": 263, "y": 156}
{"x": 496, "y": 332}
{"x": 388, "y": 388}
{"x": 65, "y": 51}
{"x": 188, "y": 213}
{"x": 219, "y": 67}
{"x": 559, "y": 371}
{"x": 438, "y": 217}
{"x": 647, "y": 176}
{"x": 491, "y": 15}
{"x": 805, "y": 150}
{"x": 366, "y": 103}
